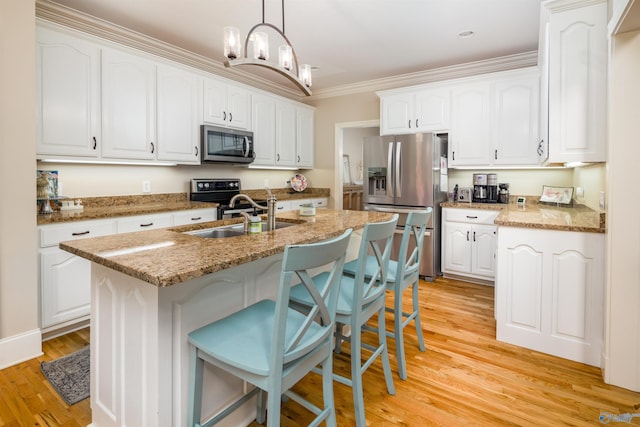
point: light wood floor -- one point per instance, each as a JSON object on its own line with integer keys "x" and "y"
{"x": 464, "y": 378}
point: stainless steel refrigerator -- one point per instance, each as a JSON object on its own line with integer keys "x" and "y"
{"x": 405, "y": 172}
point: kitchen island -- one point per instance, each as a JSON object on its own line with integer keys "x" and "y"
{"x": 149, "y": 289}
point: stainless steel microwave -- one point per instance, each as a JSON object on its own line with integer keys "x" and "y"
{"x": 223, "y": 145}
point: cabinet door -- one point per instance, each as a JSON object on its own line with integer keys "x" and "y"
{"x": 285, "y": 134}
{"x": 469, "y": 140}
{"x": 577, "y": 84}
{"x": 304, "y": 137}
{"x": 129, "y": 88}
{"x": 215, "y": 102}
{"x": 397, "y": 114}
{"x": 178, "y": 115}
{"x": 515, "y": 121}
{"x": 68, "y": 95}
{"x": 456, "y": 247}
{"x": 432, "y": 110}
{"x": 263, "y": 112}
{"x": 483, "y": 250}
{"x": 550, "y": 292}
{"x": 65, "y": 286}
{"x": 239, "y": 107}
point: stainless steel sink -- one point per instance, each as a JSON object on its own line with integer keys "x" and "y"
{"x": 232, "y": 230}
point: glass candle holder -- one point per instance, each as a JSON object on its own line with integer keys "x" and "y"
{"x": 232, "y": 45}
{"x": 285, "y": 56}
{"x": 261, "y": 46}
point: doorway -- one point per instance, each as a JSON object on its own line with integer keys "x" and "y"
{"x": 349, "y": 137}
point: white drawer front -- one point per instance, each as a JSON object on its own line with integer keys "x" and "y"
{"x": 144, "y": 222}
{"x": 471, "y": 216}
{"x": 51, "y": 235}
{"x": 194, "y": 216}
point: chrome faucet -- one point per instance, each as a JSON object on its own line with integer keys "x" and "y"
{"x": 271, "y": 209}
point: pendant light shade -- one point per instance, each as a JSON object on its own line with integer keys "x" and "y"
{"x": 261, "y": 46}
{"x": 305, "y": 74}
{"x": 232, "y": 46}
{"x": 285, "y": 57}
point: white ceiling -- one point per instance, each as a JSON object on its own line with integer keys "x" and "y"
{"x": 349, "y": 41}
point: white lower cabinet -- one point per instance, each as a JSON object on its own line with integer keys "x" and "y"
{"x": 469, "y": 243}
{"x": 65, "y": 279}
{"x": 550, "y": 292}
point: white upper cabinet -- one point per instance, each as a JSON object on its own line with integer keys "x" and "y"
{"x": 263, "y": 110}
{"x": 469, "y": 139}
{"x": 128, "y": 107}
{"x": 179, "y": 100}
{"x": 577, "y": 80}
{"x": 282, "y": 133}
{"x": 226, "y": 105}
{"x": 515, "y": 130}
{"x": 285, "y": 133}
{"x": 68, "y": 95}
{"x": 410, "y": 112}
{"x": 305, "y": 137}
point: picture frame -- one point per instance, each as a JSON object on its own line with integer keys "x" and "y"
{"x": 346, "y": 170}
{"x": 557, "y": 195}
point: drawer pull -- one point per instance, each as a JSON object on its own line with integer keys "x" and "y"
{"x": 149, "y": 224}
{"x": 81, "y": 233}
{"x": 198, "y": 218}
{"x": 472, "y": 217}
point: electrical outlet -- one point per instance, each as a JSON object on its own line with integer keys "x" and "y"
{"x": 266, "y": 182}
{"x": 146, "y": 186}
{"x": 580, "y": 192}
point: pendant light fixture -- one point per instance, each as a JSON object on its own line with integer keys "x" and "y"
{"x": 237, "y": 54}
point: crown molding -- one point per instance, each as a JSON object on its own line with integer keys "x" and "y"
{"x": 96, "y": 27}
{"x": 503, "y": 63}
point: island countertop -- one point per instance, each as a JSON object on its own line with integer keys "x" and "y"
{"x": 165, "y": 257}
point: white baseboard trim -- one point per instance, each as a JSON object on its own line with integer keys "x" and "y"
{"x": 21, "y": 347}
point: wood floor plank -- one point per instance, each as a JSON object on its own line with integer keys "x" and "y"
{"x": 465, "y": 378}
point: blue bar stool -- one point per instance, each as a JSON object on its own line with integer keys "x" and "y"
{"x": 403, "y": 273}
{"x": 359, "y": 300}
{"x": 272, "y": 346}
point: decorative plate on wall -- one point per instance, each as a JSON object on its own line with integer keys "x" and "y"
{"x": 298, "y": 182}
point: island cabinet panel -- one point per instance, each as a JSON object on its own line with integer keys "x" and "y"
{"x": 550, "y": 292}
{"x": 139, "y": 349}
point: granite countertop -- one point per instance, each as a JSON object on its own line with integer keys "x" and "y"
{"x": 117, "y": 206}
{"x": 576, "y": 217}
{"x": 165, "y": 257}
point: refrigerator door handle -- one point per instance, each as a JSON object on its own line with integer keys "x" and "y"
{"x": 397, "y": 181}
{"x": 392, "y": 209}
{"x": 390, "y": 165}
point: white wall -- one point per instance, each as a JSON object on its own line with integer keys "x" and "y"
{"x": 111, "y": 180}
{"x": 19, "y": 334}
{"x": 622, "y": 316}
